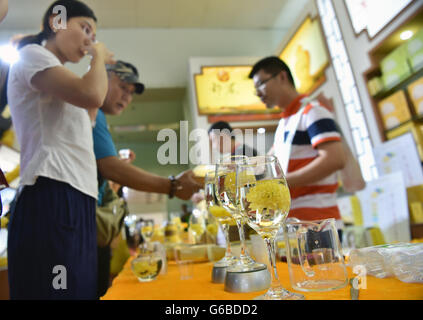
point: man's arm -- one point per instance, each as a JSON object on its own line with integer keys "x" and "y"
{"x": 331, "y": 158}
{"x": 3, "y": 9}
{"x": 116, "y": 170}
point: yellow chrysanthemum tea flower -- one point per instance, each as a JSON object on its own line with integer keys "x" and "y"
{"x": 212, "y": 229}
{"x": 146, "y": 270}
{"x": 222, "y": 215}
{"x": 147, "y": 231}
{"x": 230, "y": 182}
{"x": 219, "y": 212}
{"x": 197, "y": 228}
{"x": 4, "y": 222}
{"x": 244, "y": 178}
{"x": 270, "y": 195}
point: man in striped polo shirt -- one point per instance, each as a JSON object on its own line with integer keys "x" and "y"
{"x": 316, "y": 150}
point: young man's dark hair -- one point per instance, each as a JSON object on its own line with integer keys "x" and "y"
{"x": 221, "y": 125}
{"x": 272, "y": 65}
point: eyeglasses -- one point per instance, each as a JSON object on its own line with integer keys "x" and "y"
{"x": 262, "y": 84}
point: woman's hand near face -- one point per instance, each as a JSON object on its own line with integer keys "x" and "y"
{"x": 99, "y": 50}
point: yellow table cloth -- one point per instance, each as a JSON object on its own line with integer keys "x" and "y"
{"x": 169, "y": 287}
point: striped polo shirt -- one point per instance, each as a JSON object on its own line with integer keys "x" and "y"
{"x": 318, "y": 200}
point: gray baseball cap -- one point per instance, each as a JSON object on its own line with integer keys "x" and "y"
{"x": 127, "y": 73}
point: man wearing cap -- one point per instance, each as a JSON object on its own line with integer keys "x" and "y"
{"x": 123, "y": 84}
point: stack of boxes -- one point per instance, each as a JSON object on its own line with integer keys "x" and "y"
{"x": 398, "y": 65}
{"x": 415, "y": 203}
{"x": 395, "y": 67}
{"x": 394, "y": 110}
{"x": 415, "y": 90}
{"x": 375, "y": 85}
{"x": 403, "y": 61}
{"x": 415, "y": 128}
{"x": 415, "y": 51}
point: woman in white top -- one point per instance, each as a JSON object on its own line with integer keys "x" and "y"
{"x": 52, "y": 232}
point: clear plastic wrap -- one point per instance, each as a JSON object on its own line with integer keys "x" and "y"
{"x": 403, "y": 261}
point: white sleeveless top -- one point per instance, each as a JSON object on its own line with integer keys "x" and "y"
{"x": 55, "y": 136}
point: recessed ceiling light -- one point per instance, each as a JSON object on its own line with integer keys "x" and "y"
{"x": 406, "y": 35}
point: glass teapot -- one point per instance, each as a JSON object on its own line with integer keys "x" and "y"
{"x": 314, "y": 254}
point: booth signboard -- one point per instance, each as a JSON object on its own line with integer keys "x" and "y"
{"x": 384, "y": 205}
{"x": 400, "y": 154}
{"x": 227, "y": 90}
{"x": 307, "y": 57}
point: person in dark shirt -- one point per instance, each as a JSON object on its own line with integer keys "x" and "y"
{"x": 222, "y": 140}
{"x": 123, "y": 80}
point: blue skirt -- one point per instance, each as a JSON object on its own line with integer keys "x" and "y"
{"x": 52, "y": 243}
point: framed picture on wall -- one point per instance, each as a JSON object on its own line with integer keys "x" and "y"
{"x": 307, "y": 56}
{"x": 227, "y": 90}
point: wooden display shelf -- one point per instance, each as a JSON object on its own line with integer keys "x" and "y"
{"x": 401, "y": 85}
{"x": 376, "y": 55}
{"x": 418, "y": 119}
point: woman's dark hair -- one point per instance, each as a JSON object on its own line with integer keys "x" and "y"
{"x": 74, "y": 8}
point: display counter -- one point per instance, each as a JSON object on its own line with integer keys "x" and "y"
{"x": 169, "y": 287}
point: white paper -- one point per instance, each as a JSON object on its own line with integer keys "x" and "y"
{"x": 384, "y": 205}
{"x": 400, "y": 154}
{"x": 345, "y": 207}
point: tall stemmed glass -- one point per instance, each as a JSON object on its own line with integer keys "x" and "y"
{"x": 147, "y": 231}
{"x": 265, "y": 201}
{"x": 197, "y": 225}
{"x": 226, "y": 196}
{"x": 223, "y": 217}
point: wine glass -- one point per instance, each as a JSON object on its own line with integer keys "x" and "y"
{"x": 148, "y": 264}
{"x": 132, "y": 233}
{"x": 225, "y": 182}
{"x": 147, "y": 231}
{"x": 264, "y": 200}
{"x": 223, "y": 217}
{"x": 176, "y": 219}
{"x": 197, "y": 225}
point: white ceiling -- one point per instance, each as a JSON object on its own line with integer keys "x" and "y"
{"x": 211, "y": 14}
{"x": 191, "y": 28}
